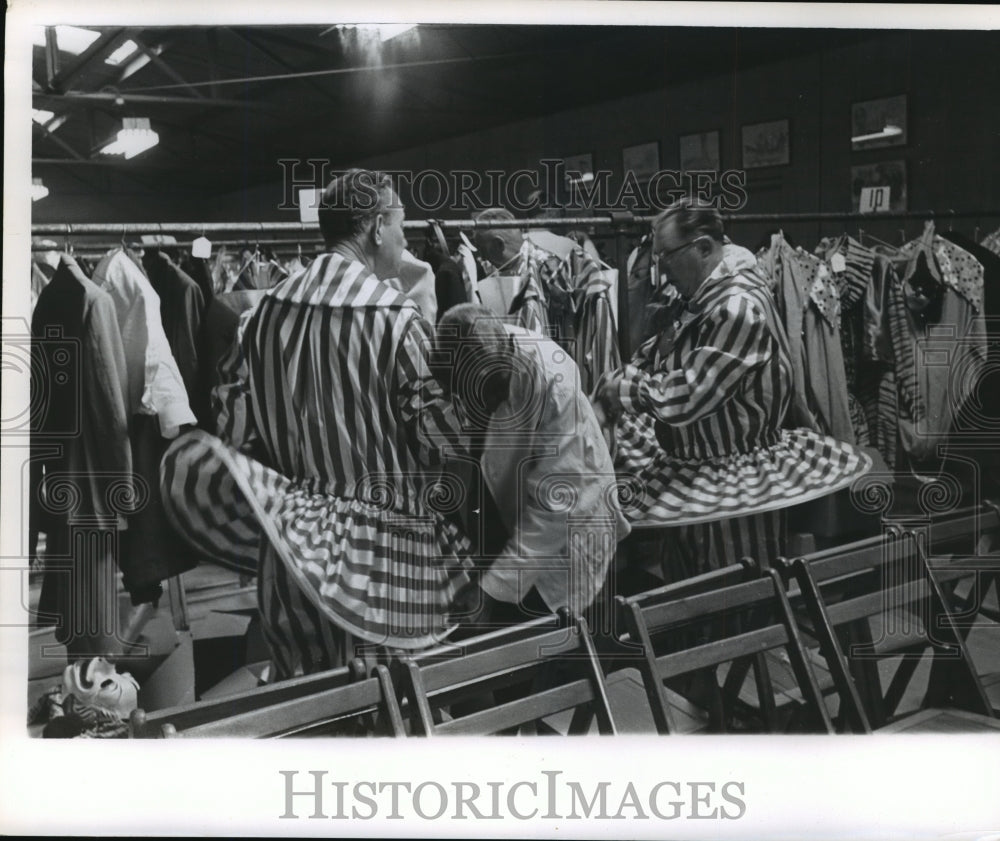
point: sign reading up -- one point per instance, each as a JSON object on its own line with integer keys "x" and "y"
{"x": 874, "y": 199}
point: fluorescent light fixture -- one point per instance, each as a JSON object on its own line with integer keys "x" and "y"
{"x": 122, "y": 53}
{"x": 40, "y": 116}
{"x": 135, "y": 137}
{"x": 70, "y": 39}
{"x": 384, "y": 31}
{"x": 38, "y": 189}
{"x": 887, "y": 132}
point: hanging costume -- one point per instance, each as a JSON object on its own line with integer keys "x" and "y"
{"x": 80, "y": 442}
{"x": 157, "y": 407}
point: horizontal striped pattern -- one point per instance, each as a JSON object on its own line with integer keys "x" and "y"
{"x": 716, "y": 392}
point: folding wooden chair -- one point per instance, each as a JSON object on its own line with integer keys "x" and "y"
{"x": 342, "y": 701}
{"x": 552, "y": 658}
{"x": 686, "y": 629}
{"x": 892, "y": 580}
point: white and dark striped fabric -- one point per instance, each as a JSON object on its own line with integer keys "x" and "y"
{"x": 334, "y": 430}
{"x": 717, "y": 388}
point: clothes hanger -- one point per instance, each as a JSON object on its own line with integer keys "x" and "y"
{"x": 862, "y": 235}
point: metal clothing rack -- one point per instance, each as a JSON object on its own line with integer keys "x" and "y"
{"x": 622, "y": 225}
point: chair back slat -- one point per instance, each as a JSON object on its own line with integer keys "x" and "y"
{"x": 849, "y": 591}
{"x": 297, "y": 714}
{"x": 533, "y": 654}
{"x": 661, "y": 614}
{"x": 285, "y": 708}
{"x": 502, "y": 659}
{"x": 183, "y": 717}
{"x": 716, "y": 652}
{"x": 723, "y": 614}
{"x": 523, "y": 711}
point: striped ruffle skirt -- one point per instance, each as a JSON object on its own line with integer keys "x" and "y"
{"x": 665, "y": 490}
{"x": 385, "y": 577}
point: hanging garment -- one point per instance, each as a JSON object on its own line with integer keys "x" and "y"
{"x": 548, "y": 470}
{"x": 155, "y": 386}
{"x": 977, "y": 420}
{"x": 528, "y": 306}
{"x": 157, "y": 407}
{"x": 940, "y": 347}
{"x": 850, "y": 263}
{"x": 876, "y": 377}
{"x": 578, "y": 304}
{"x": 200, "y": 270}
{"x": 642, "y": 288}
{"x": 471, "y": 268}
{"x": 809, "y": 305}
{"x": 219, "y": 337}
{"x": 351, "y": 424}
{"x": 449, "y": 286}
{"x": 181, "y": 309}
{"x": 38, "y": 282}
{"x": 81, "y": 468}
{"x": 992, "y": 242}
{"x": 719, "y": 387}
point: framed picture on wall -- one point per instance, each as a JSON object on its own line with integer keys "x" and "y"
{"x": 878, "y": 123}
{"x": 700, "y": 152}
{"x": 579, "y": 168}
{"x": 766, "y": 144}
{"x": 891, "y": 174}
{"x": 642, "y": 160}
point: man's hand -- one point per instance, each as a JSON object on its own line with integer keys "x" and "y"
{"x": 609, "y": 399}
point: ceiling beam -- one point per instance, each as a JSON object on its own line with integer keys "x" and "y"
{"x": 284, "y": 65}
{"x": 154, "y": 54}
{"x": 51, "y": 56}
{"x": 101, "y": 47}
{"x": 84, "y": 97}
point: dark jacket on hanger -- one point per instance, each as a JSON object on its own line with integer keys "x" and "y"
{"x": 449, "y": 285}
{"x": 200, "y": 271}
{"x": 79, "y": 439}
{"x": 182, "y": 307}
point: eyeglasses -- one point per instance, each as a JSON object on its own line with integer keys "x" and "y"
{"x": 665, "y": 256}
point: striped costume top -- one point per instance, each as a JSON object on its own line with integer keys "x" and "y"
{"x": 705, "y": 430}
{"x": 331, "y": 431}
{"x": 336, "y": 388}
{"x": 719, "y": 382}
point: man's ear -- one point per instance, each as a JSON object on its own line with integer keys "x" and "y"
{"x": 377, "y": 229}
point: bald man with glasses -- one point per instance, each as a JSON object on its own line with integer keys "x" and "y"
{"x": 703, "y": 407}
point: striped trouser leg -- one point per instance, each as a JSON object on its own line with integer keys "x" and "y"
{"x": 300, "y": 639}
{"x": 692, "y": 550}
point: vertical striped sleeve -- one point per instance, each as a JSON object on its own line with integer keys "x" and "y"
{"x": 434, "y": 429}
{"x": 230, "y": 399}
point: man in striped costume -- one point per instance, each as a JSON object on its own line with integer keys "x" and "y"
{"x": 332, "y": 433}
{"x": 704, "y": 405}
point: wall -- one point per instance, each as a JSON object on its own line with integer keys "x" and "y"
{"x": 952, "y": 154}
